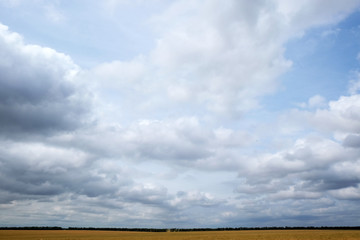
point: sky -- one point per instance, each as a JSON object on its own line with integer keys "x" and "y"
{"x": 182, "y": 113}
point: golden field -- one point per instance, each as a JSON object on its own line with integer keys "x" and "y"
{"x": 211, "y": 235}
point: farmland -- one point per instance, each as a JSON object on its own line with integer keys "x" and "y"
{"x": 203, "y": 235}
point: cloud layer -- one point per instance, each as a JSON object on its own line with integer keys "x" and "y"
{"x": 178, "y": 136}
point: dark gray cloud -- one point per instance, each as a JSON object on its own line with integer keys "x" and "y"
{"x": 352, "y": 140}
{"x": 39, "y": 173}
{"x": 76, "y": 182}
{"x": 38, "y": 89}
{"x": 325, "y": 180}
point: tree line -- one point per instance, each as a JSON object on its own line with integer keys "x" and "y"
{"x": 182, "y": 229}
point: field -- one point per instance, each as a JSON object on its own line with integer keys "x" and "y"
{"x": 212, "y": 235}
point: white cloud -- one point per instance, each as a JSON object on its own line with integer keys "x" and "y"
{"x": 291, "y": 193}
{"x": 42, "y": 157}
{"x": 350, "y": 193}
{"x": 355, "y": 83}
{"x": 220, "y": 57}
{"x": 119, "y": 75}
{"x": 317, "y": 101}
{"x": 305, "y": 14}
{"x": 53, "y": 14}
{"x": 330, "y": 32}
{"x": 340, "y": 117}
{"x": 205, "y": 51}
{"x": 194, "y": 198}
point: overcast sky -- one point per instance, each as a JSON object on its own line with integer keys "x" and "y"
{"x": 185, "y": 113}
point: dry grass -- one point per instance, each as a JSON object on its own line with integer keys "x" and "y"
{"x": 229, "y": 235}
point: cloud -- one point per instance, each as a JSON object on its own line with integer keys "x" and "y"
{"x": 202, "y": 57}
{"x": 314, "y": 168}
{"x": 316, "y": 101}
{"x": 194, "y": 198}
{"x": 220, "y": 58}
{"x": 185, "y": 142}
{"x": 355, "y": 83}
{"x": 310, "y": 177}
{"x": 53, "y": 14}
{"x": 350, "y": 193}
{"x": 352, "y": 140}
{"x": 119, "y": 74}
{"x": 339, "y": 116}
{"x": 41, "y": 170}
{"x": 82, "y": 187}
{"x": 207, "y": 43}
{"x": 38, "y": 88}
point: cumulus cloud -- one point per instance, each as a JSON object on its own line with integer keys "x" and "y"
{"x": 340, "y": 116}
{"x": 319, "y": 170}
{"x": 203, "y": 57}
{"x": 219, "y": 57}
{"x": 207, "y": 56}
{"x": 309, "y": 162}
{"x": 208, "y": 43}
{"x": 38, "y": 90}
